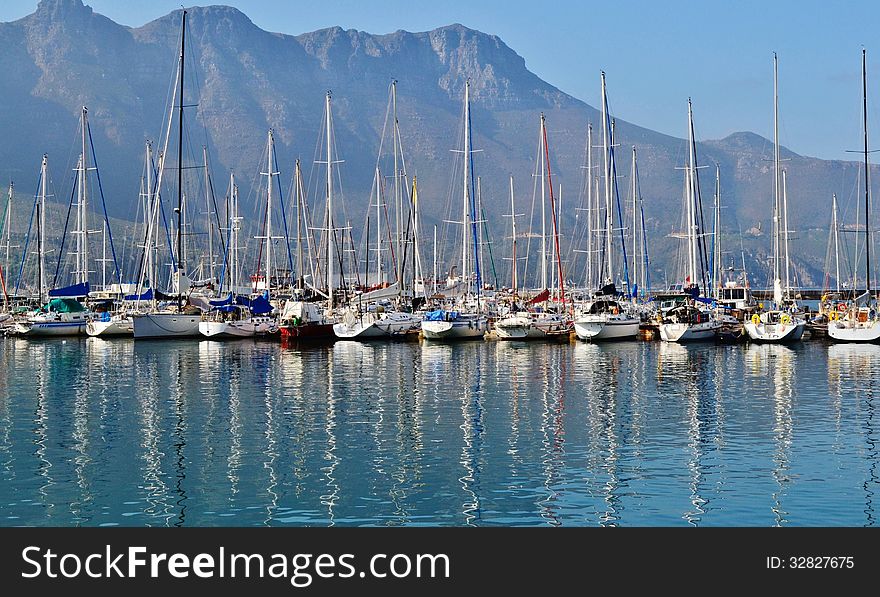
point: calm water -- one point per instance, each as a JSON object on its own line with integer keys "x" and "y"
{"x": 96, "y": 432}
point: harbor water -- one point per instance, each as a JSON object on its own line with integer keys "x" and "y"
{"x": 202, "y": 433}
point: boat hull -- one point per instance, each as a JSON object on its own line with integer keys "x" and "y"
{"x": 687, "y": 332}
{"x": 602, "y": 328}
{"x": 775, "y": 332}
{"x": 50, "y": 328}
{"x": 840, "y": 331}
{"x": 457, "y": 329}
{"x": 523, "y": 328}
{"x": 166, "y": 325}
{"x": 308, "y": 331}
{"x": 114, "y": 327}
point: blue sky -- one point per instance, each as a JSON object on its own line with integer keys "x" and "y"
{"x": 655, "y": 54}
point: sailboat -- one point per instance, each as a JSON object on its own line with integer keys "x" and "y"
{"x": 60, "y": 315}
{"x": 603, "y": 317}
{"x": 173, "y": 319}
{"x": 465, "y": 318}
{"x": 240, "y": 316}
{"x": 691, "y": 320}
{"x": 6, "y": 229}
{"x": 302, "y": 318}
{"x": 545, "y": 322}
{"x": 860, "y": 321}
{"x": 383, "y": 312}
{"x": 780, "y": 324}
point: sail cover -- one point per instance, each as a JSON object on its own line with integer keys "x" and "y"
{"x": 73, "y": 291}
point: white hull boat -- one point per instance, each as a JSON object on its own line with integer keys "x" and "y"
{"x": 462, "y": 327}
{"x": 689, "y": 332}
{"x": 532, "y": 326}
{"x": 857, "y": 331}
{"x": 246, "y": 328}
{"x": 773, "y": 327}
{"x": 166, "y": 325}
{"x": 115, "y": 326}
{"x": 606, "y": 327}
{"x": 372, "y": 325}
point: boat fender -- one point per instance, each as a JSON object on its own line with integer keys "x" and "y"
{"x": 785, "y": 319}
{"x": 832, "y": 316}
{"x": 756, "y": 319}
{"x": 841, "y": 307}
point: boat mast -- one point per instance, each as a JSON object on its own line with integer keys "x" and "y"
{"x": 41, "y": 229}
{"x": 609, "y": 214}
{"x": 234, "y": 222}
{"x": 378, "y": 226}
{"x": 834, "y": 228}
{"x": 543, "y": 206}
{"x": 635, "y": 226}
{"x": 589, "y": 205}
{"x": 398, "y": 199}
{"x": 465, "y": 272}
{"x": 270, "y": 152}
{"x": 82, "y": 205}
{"x": 331, "y": 232}
{"x": 181, "y": 265}
{"x": 777, "y": 208}
{"x": 513, "y": 215}
{"x": 867, "y": 182}
{"x": 299, "y": 252}
{"x": 692, "y": 199}
{"x": 716, "y": 238}
{"x": 209, "y": 213}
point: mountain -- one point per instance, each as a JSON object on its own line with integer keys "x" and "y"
{"x": 65, "y": 55}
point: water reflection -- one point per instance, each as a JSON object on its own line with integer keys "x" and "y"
{"x": 632, "y": 433}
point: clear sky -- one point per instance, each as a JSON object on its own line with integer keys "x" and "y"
{"x": 655, "y": 54}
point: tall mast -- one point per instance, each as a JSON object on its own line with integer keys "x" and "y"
{"x": 555, "y": 221}
{"x": 717, "y": 257}
{"x": 543, "y": 206}
{"x": 82, "y": 205}
{"x": 867, "y": 182}
{"x": 41, "y": 228}
{"x": 513, "y": 233}
{"x": 635, "y": 227}
{"x": 692, "y": 211}
{"x": 209, "y": 213}
{"x": 418, "y": 272}
{"x": 398, "y": 199}
{"x": 181, "y": 265}
{"x": 7, "y": 224}
{"x": 378, "y": 226}
{"x": 777, "y": 207}
{"x": 465, "y": 272}
{"x": 299, "y": 210}
{"x": 234, "y": 222}
{"x": 331, "y": 232}
{"x": 589, "y": 205}
{"x": 270, "y": 172}
{"x": 609, "y": 214}
{"x": 834, "y": 228}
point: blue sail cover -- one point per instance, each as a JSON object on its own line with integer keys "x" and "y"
{"x": 147, "y": 296}
{"x": 258, "y": 306}
{"x": 222, "y": 302}
{"x": 74, "y": 291}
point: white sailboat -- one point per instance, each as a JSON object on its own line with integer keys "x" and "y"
{"x": 602, "y": 317}
{"x": 234, "y": 317}
{"x": 465, "y": 318}
{"x": 171, "y": 320}
{"x": 779, "y": 324}
{"x": 691, "y": 320}
{"x": 60, "y": 314}
{"x": 860, "y": 322}
{"x": 381, "y": 313}
{"x": 548, "y": 322}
